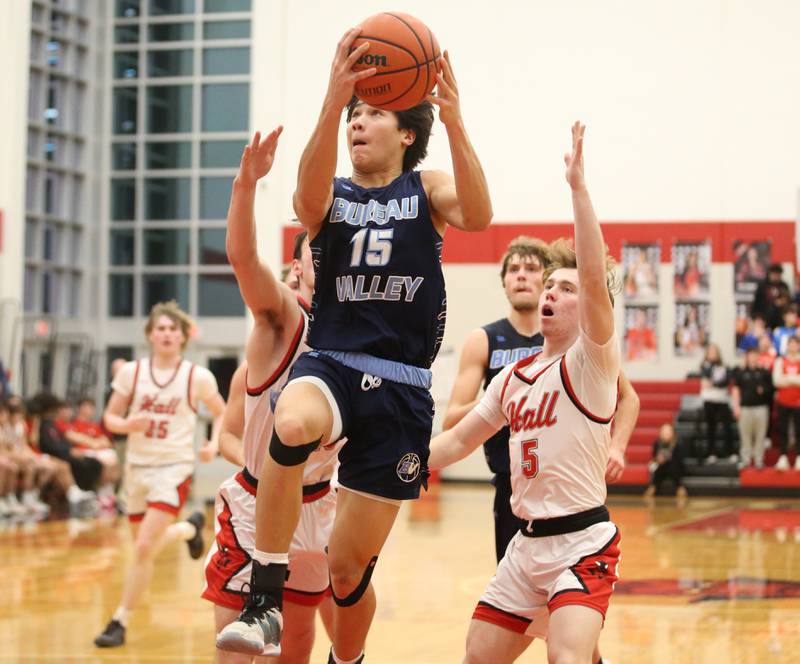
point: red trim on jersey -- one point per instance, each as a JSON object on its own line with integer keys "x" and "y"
{"x": 171, "y": 378}
{"x": 576, "y": 402}
{"x": 523, "y": 377}
{"x": 189, "y": 388}
{"x": 597, "y": 574}
{"x": 304, "y": 597}
{"x": 524, "y": 362}
{"x": 287, "y": 359}
{"x": 491, "y": 614}
{"x": 135, "y": 518}
{"x": 305, "y": 305}
{"x": 183, "y": 494}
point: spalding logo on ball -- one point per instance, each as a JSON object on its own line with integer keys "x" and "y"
{"x": 407, "y": 57}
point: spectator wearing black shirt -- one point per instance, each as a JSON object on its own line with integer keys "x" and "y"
{"x": 667, "y": 462}
{"x": 772, "y": 297}
{"x": 752, "y": 396}
{"x": 714, "y": 380}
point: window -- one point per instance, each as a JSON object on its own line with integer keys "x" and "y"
{"x": 126, "y": 64}
{"x": 169, "y": 155}
{"x": 76, "y": 242}
{"x": 53, "y": 194}
{"x": 166, "y": 247}
{"x": 54, "y": 148}
{"x": 74, "y": 305}
{"x": 215, "y": 194}
{"x": 76, "y": 209}
{"x": 127, "y": 8}
{"x": 226, "y": 30}
{"x": 122, "y": 247}
{"x": 211, "y": 6}
{"x": 120, "y": 295}
{"x": 212, "y": 247}
{"x": 123, "y": 156}
{"x": 125, "y": 110}
{"x": 53, "y": 53}
{"x": 50, "y": 292}
{"x": 51, "y": 243}
{"x": 166, "y": 32}
{"x": 167, "y": 198}
{"x": 77, "y": 107}
{"x": 126, "y": 34}
{"x": 221, "y": 154}
{"x": 31, "y": 229}
{"x": 35, "y": 108}
{"x": 170, "y": 63}
{"x": 123, "y": 199}
{"x": 30, "y": 289}
{"x": 33, "y": 143}
{"x": 226, "y": 61}
{"x": 226, "y": 106}
{"x": 218, "y": 295}
{"x": 163, "y": 287}
{"x": 32, "y": 200}
{"x": 169, "y": 109}
{"x": 159, "y": 7}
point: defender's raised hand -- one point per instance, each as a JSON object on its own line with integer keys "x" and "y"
{"x": 574, "y": 161}
{"x": 446, "y": 97}
{"x": 343, "y": 78}
{"x": 258, "y": 157}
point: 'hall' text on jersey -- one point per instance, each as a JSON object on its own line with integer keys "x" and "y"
{"x": 379, "y": 283}
{"x": 559, "y": 412}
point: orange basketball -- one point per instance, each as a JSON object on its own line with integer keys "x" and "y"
{"x": 406, "y": 55}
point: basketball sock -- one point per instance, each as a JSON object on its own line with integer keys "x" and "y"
{"x": 266, "y": 558}
{"x": 339, "y": 660}
{"x": 121, "y": 616}
{"x": 184, "y": 530}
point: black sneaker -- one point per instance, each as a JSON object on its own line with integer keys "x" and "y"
{"x": 197, "y": 544}
{"x": 113, "y": 635}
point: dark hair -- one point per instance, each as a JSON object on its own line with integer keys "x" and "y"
{"x": 298, "y": 244}
{"x": 86, "y": 399}
{"x": 776, "y": 268}
{"x": 527, "y": 248}
{"x": 418, "y": 119}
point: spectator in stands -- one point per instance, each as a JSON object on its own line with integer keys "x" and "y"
{"x": 5, "y": 388}
{"x": 667, "y": 462}
{"x": 85, "y": 470}
{"x": 714, "y": 380}
{"x": 752, "y": 396}
{"x": 772, "y": 297}
{"x": 786, "y": 378}
{"x": 755, "y": 330}
{"x": 766, "y": 352}
{"x": 781, "y": 335}
{"x": 26, "y": 468}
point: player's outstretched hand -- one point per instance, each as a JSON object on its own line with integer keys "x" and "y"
{"x": 446, "y": 97}
{"x": 207, "y": 452}
{"x": 137, "y": 423}
{"x": 258, "y": 157}
{"x": 343, "y": 79}
{"x": 574, "y": 160}
{"x": 615, "y": 466}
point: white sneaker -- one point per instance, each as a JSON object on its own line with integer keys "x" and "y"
{"x": 4, "y": 509}
{"x": 33, "y": 504}
{"x": 712, "y": 458}
{"x": 783, "y": 463}
{"x": 797, "y": 462}
{"x": 15, "y": 507}
{"x": 733, "y": 458}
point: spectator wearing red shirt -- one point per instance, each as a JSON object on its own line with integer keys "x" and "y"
{"x": 786, "y": 378}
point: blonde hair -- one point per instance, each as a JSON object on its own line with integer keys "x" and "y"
{"x": 525, "y": 247}
{"x": 177, "y": 315}
{"x": 562, "y": 255}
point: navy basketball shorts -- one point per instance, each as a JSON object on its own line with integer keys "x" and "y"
{"x": 387, "y": 426}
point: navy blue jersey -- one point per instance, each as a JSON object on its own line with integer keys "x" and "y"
{"x": 379, "y": 283}
{"x": 506, "y": 346}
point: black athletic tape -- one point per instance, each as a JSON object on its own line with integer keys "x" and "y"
{"x": 288, "y": 455}
{"x": 358, "y": 593}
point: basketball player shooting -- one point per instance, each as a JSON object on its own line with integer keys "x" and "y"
{"x": 378, "y": 320}
{"x": 558, "y": 573}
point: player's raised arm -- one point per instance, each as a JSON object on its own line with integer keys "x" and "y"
{"x": 261, "y": 290}
{"x": 471, "y": 371}
{"x": 462, "y": 200}
{"x": 314, "y": 191}
{"x": 456, "y": 443}
{"x": 594, "y": 302}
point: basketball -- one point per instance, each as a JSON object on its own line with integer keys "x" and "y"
{"x": 406, "y": 55}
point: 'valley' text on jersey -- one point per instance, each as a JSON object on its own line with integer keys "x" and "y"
{"x": 379, "y": 283}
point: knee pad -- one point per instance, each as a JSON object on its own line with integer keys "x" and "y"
{"x": 358, "y": 593}
{"x": 290, "y": 455}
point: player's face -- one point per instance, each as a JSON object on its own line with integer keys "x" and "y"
{"x": 166, "y": 336}
{"x": 558, "y": 305}
{"x": 374, "y": 139}
{"x": 86, "y": 411}
{"x": 523, "y": 282}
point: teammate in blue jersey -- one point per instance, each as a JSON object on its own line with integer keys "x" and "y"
{"x": 489, "y": 348}
{"x": 378, "y": 319}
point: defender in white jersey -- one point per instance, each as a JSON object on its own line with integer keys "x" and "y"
{"x": 277, "y": 339}
{"x": 155, "y": 402}
{"x": 558, "y": 573}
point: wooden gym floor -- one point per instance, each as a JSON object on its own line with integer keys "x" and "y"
{"x": 713, "y": 581}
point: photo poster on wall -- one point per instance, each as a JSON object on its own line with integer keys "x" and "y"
{"x": 641, "y": 333}
{"x": 640, "y": 264}
{"x": 692, "y": 265}
{"x": 692, "y": 323}
{"x": 750, "y": 264}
